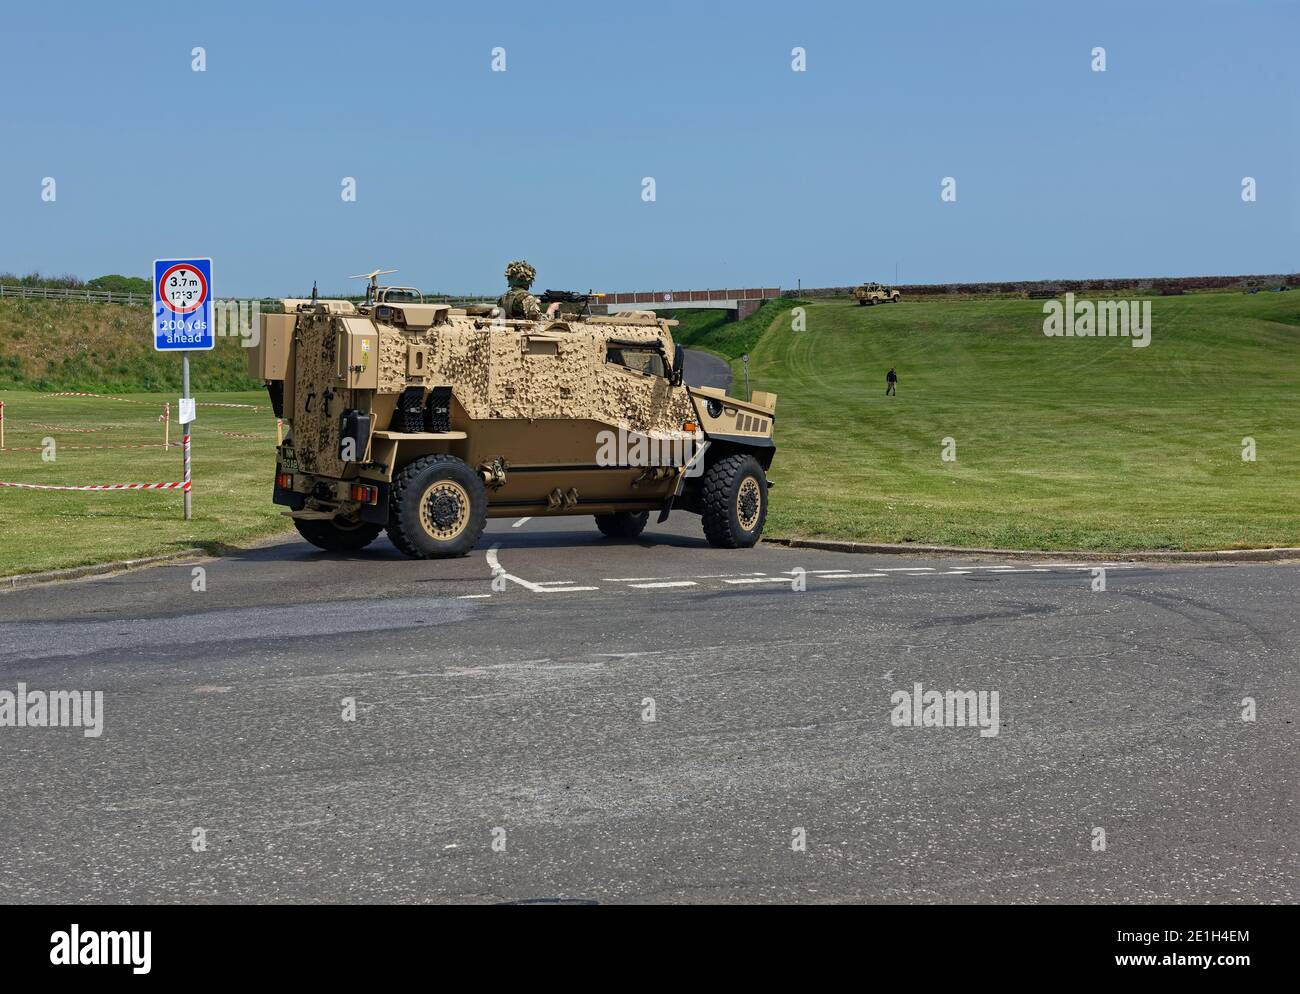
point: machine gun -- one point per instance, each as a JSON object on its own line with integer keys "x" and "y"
{"x": 562, "y": 297}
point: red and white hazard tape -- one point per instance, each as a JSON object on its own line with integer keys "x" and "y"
{"x": 75, "y": 431}
{"x": 100, "y": 486}
{"x": 125, "y": 400}
{"x": 86, "y": 448}
{"x": 130, "y": 400}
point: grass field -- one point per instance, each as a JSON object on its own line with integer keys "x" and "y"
{"x": 1061, "y": 443}
{"x": 53, "y": 529}
{"x": 65, "y": 345}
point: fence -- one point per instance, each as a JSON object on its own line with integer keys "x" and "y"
{"x": 146, "y": 300}
{"x": 68, "y": 293}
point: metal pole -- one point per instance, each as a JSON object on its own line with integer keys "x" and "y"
{"x": 185, "y": 430}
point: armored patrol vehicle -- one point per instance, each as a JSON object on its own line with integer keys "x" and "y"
{"x": 874, "y": 293}
{"x": 424, "y": 419}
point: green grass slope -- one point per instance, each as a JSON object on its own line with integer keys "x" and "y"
{"x": 1061, "y": 443}
{"x": 712, "y": 331}
{"x": 65, "y": 345}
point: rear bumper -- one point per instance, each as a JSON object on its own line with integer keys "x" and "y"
{"x": 327, "y": 494}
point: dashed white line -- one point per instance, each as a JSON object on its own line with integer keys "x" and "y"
{"x": 470, "y": 597}
{"x": 760, "y": 579}
{"x": 666, "y": 583}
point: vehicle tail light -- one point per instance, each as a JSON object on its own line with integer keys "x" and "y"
{"x": 690, "y": 426}
{"x": 284, "y": 481}
{"x": 365, "y": 495}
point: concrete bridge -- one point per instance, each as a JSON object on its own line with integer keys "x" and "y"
{"x": 743, "y": 302}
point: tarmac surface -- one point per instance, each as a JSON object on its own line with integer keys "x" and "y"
{"x": 500, "y": 748}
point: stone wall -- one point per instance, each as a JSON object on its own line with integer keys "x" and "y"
{"x": 1022, "y": 288}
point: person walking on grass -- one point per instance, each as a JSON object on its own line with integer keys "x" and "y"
{"x": 891, "y": 383}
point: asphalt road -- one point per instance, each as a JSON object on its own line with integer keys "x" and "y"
{"x": 522, "y": 709}
{"x": 706, "y": 370}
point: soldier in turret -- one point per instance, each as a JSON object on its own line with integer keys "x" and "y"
{"x": 518, "y": 302}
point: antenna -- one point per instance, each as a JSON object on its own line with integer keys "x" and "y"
{"x": 373, "y": 277}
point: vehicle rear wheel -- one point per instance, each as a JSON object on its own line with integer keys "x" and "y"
{"x": 337, "y": 535}
{"x": 735, "y": 502}
{"x": 437, "y": 509}
{"x": 622, "y": 524}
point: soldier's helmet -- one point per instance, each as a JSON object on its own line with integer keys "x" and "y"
{"x": 520, "y": 273}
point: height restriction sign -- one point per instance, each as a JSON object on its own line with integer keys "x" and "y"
{"x": 182, "y": 305}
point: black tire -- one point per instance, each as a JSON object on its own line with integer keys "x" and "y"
{"x": 622, "y": 524}
{"x": 734, "y": 507}
{"x": 861, "y": 303}
{"x": 437, "y": 508}
{"x": 337, "y": 536}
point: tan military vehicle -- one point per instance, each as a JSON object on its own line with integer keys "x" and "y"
{"x": 426, "y": 419}
{"x": 874, "y": 293}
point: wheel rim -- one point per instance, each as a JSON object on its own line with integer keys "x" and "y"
{"x": 749, "y": 499}
{"x": 444, "y": 510}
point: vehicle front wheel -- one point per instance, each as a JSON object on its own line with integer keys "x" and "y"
{"x": 337, "y": 535}
{"x": 735, "y": 502}
{"x": 437, "y": 509}
{"x": 622, "y": 524}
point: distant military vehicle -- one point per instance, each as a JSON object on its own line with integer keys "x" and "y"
{"x": 426, "y": 419}
{"x": 874, "y": 293}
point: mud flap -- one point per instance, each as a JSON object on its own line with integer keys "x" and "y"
{"x": 668, "y": 506}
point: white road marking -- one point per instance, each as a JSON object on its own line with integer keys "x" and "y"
{"x": 494, "y": 564}
{"x": 470, "y": 597}
{"x": 907, "y": 569}
{"x": 955, "y": 572}
{"x": 853, "y": 576}
{"x": 666, "y": 583}
{"x": 521, "y": 521}
{"x": 760, "y": 579}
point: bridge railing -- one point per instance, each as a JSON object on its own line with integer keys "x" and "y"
{"x": 688, "y": 297}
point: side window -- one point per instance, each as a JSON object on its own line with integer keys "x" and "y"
{"x": 642, "y": 358}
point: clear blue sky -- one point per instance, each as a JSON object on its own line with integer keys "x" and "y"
{"x": 764, "y": 176}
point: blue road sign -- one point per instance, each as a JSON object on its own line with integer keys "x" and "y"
{"x": 182, "y": 305}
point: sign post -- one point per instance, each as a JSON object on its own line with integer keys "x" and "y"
{"x": 182, "y": 322}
